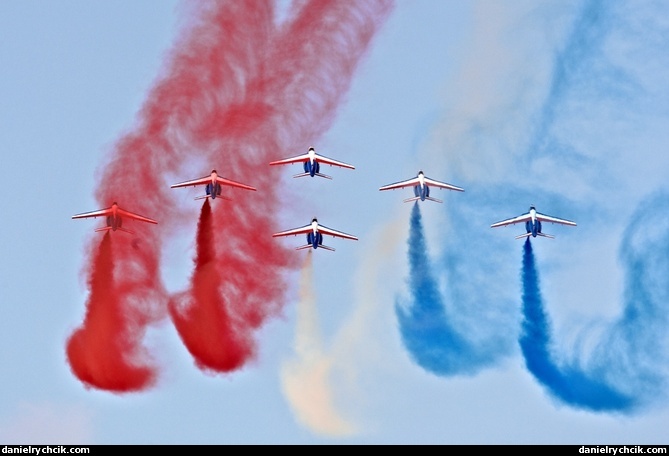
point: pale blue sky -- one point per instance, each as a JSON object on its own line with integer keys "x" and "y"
{"x": 558, "y": 104}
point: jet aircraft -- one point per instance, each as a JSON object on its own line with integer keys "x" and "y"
{"x": 421, "y": 187}
{"x": 114, "y": 220}
{"x": 532, "y": 222}
{"x": 312, "y": 163}
{"x": 212, "y": 184}
{"x": 315, "y": 232}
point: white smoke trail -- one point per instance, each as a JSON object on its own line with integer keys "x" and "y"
{"x": 307, "y": 380}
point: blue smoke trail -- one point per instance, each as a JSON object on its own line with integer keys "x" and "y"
{"x": 628, "y": 368}
{"x": 634, "y": 353}
{"x": 427, "y": 330}
{"x": 568, "y": 383}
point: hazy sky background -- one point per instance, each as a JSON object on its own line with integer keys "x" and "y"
{"x": 559, "y": 104}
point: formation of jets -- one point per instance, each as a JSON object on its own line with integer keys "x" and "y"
{"x": 314, "y": 231}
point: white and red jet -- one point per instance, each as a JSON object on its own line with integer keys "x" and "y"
{"x": 532, "y": 221}
{"x": 315, "y": 232}
{"x": 312, "y": 163}
{"x": 213, "y": 184}
{"x": 421, "y": 187}
{"x": 114, "y": 221}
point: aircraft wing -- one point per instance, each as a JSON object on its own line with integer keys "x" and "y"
{"x": 415, "y": 181}
{"x": 548, "y": 218}
{"x": 321, "y": 229}
{"x": 520, "y": 219}
{"x": 436, "y": 183}
{"x": 191, "y": 183}
{"x": 132, "y": 215}
{"x": 335, "y": 233}
{"x": 295, "y": 231}
{"x": 223, "y": 181}
{"x": 100, "y": 213}
{"x": 207, "y": 179}
{"x": 296, "y": 159}
{"x": 402, "y": 184}
{"x": 332, "y": 162}
{"x": 317, "y": 157}
{"x": 119, "y": 211}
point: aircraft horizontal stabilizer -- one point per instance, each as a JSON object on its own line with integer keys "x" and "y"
{"x": 107, "y": 228}
{"x": 308, "y": 246}
{"x": 209, "y": 196}
{"x": 415, "y": 198}
{"x": 316, "y": 174}
{"x": 520, "y": 236}
{"x": 546, "y": 235}
{"x": 433, "y": 199}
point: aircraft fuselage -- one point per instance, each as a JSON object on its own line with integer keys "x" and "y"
{"x": 114, "y": 219}
{"x": 315, "y": 238}
{"x": 114, "y": 222}
{"x": 311, "y": 166}
{"x": 533, "y": 225}
{"x": 421, "y": 190}
{"x": 213, "y": 188}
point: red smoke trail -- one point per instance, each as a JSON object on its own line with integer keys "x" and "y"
{"x": 303, "y": 71}
{"x": 101, "y": 352}
{"x": 200, "y": 315}
{"x": 135, "y": 177}
{"x": 201, "y": 73}
{"x": 237, "y": 92}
